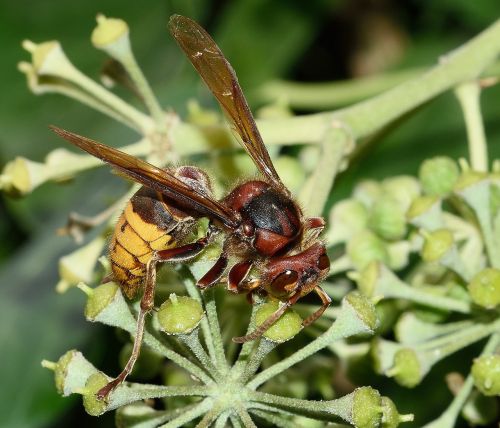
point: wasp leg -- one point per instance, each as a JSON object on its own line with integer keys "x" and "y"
{"x": 147, "y": 303}
{"x": 275, "y": 316}
{"x": 325, "y": 300}
{"x": 181, "y": 253}
{"x": 214, "y": 273}
{"x": 237, "y": 275}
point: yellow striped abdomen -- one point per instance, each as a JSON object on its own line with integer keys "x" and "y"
{"x": 136, "y": 239}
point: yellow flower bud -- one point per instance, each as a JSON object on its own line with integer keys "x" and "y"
{"x": 22, "y": 176}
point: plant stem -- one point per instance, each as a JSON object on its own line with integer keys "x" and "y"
{"x": 448, "y": 418}
{"x": 129, "y": 62}
{"x": 191, "y": 414}
{"x": 194, "y": 293}
{"x": 316, "y": 190}
{"x": 246, "y": 419}
{"x": 468, "y": 94}
{"x": 327, "y": 95}
{"x": 213, "y": 322}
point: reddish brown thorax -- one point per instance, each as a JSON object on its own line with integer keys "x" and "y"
{"x": 269, "y": 217}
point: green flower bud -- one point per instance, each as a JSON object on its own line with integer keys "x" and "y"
{"x": 484, "y": 288}
{"x": 366, "y": 408}
{"x": 366, "y": 247}
{"x": 387, "y": 219}
{"x": 346, "y": 218}
{"x": 437, "y": 244}
{"x": 365, "y": 310}
{"x": 99, "y": 298}
{"x": 368, "y": 277}
{"x": 108, "y": 31}
{"x": 403, "y": 188}
{"x": 367, "y": 192}
{"x": 468, "y": 178}
{"x": 421, "y": 205}
{"x": 179, "y": 314}
{"x": 438, "y": 175}
{"x": 79, "y": 265}
{"x": 390, "y": 416}
{"x": 282, "y": 330}
{"x": 70, "y": 372}
{"x": 387, "y": 314}
{"x": 94, "y": 406}
{"x": 22, "y": 176}
{"x": 407, "y": 369}
{"x": 48, "y": 58}
{"x": 486, "y": 374}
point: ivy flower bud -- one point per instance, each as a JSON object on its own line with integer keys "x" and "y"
{"x": 367, "y": 192}
{"x": 347, "y": 218}
{"x": 480, "y": 410}
{"x": 438, "y": 175}
{"x": 366, "y": 247}
{"x": 111, "y": 35}
{"x": 98, "y": 298}
{"x": 79, "y": 265}
{"x": 486, "y": 374}
{"x": 93, "y": 406}
{"x": 387, "y": 218}
{"x": 436, "y": 245}
{"x": 22, "y": 176}
{"x": 284, "y": 328}
{"x": 179, "y": 314}
{"x": 70, "y": 372}
{"x": 484, "y": 288}
{"x": 366, "y": 408}
{"x": 468, "y": 178}
{"x": 48, "y": 58}
{"x": 406, "y": 369}
{"x": 390, "y": 415}
{"x": 425, "y": 212}
{"x": 403, "y": 188}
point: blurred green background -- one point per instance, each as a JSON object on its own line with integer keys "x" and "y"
{"x": 321, "y": 40}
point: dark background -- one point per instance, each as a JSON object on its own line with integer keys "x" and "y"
{"x": 319, "y": 40}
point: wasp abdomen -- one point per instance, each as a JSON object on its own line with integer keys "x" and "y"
{"x": 145, "y": 227}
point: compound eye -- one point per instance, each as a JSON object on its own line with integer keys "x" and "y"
{"x": 323, "y": 262}
{"x": 283, "y": 283}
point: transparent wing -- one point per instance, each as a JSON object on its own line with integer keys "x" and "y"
{"x": 221, "y": 79}
{"x": 153, "y": 177}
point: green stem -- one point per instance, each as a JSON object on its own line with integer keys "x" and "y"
{"x": 129, "y": 62}
{"x": 265, "y": 346}
{"x": 346, "y": 325}
{"x": 245, "y": 418}
{"x": 327, "y": 95}
{"x": 316, "y": 190}
{"x": 448, "y": 418}
{"x": 194, "y": 293}
{"x": 213, "y": 322}
{"x": 193, "y": 342}
{"x": 190, "y": 415}
{"x": 468, "y": 94}
{"x": 275, "y": 419}
{"x": 136, "y": 392}
{"x": 183, "y": 362}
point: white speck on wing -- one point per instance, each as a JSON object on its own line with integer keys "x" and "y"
{"x": 197, "y": 54}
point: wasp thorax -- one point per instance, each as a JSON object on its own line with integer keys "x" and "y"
{"x": 270, "y": 215}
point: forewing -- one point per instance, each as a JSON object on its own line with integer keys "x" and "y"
{"x": 221, "y": 79}
{"x": 153, "y": 177}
